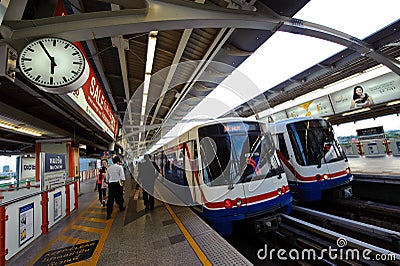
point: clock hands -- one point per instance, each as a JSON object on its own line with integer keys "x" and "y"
{"x": 52, "y": 62}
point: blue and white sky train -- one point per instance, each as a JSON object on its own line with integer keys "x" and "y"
{"x": 228, "y": 171}
{"x": 314, "y": 162}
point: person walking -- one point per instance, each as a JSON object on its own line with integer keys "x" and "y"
{"x": 115, "y": 177}
{"x": 101, "y": 186}
{"x": 147, "y": 175}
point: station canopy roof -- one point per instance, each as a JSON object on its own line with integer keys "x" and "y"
{"x": 157, "y": 60}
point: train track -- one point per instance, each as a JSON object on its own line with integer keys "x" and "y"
{"x": 382, "y": 215}
{"x": 310, "y": 237}
{"x": 334, "y": 247}
{"x": 382, "y": 237}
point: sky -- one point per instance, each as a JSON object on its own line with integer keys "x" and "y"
{"x": 285, "y": 55}
{"x": 389, "y": 122}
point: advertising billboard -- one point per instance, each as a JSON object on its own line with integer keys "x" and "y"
{"x": 317, "y": 107}
{"x": 378, "y": 90}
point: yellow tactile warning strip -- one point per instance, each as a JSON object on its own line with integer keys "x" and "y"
{"x": 74, "y": 225}
{"x": 72, "y": 240}
{"x": 200, "y": 254}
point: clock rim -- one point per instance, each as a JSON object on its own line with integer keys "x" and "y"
{"x": 85, "y": 66}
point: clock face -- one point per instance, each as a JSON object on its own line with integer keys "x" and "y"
{"x": 52, "y": 63}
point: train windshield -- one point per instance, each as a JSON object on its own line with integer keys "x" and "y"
{"x": 237, "y": 152}
{"x": 314, "y": 143}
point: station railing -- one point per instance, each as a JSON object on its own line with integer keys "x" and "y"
{"x": 27, "y": 211}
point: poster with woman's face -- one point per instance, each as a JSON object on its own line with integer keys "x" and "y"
{"x": 381, "y": 89}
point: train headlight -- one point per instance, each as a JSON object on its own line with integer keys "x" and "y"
{"x": 238, "y": 202}
{"x": 318, "y": 177}
{"x": 348, "y": 170}
{"x": 326, "y": 176}
{"x": 228, "y": 204}
{"x": 279, "y": 191}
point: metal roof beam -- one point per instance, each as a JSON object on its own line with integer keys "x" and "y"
{"x": 221, "y": 38}
{"x": 158, "y": 16}
{"x": 3, "y": 9}
{"x": 122, "y": 44}
{"x": 12, "y": 10}
{"x": 166, "y": 16}
{"x": 178, "y": 55}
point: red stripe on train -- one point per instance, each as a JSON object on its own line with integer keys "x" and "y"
{"x": 248, "y": 200}
{"x": 306, "y": 178}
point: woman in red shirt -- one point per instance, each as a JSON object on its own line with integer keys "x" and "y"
{"x": 101, "y": 186}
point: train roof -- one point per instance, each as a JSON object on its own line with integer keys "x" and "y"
{"x": 280, "y": 125}
{"x": 227, "y": 120}
{"x": 204, "y": 122}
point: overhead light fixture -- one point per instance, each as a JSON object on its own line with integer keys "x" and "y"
{"x": 18, "y": 128}
{"x": 146, "y": 86}
{"x": 393, "y": 103}
{"x": 357, "y": 111}
{"x": 151, "y": 48}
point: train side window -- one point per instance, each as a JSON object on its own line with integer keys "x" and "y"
{"x": 282, "y": 146}
{"x": 195, "y": 156}
{"x": 180, "y": 169}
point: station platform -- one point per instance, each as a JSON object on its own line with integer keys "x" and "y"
{"x": 167, "y": 235}
{"x": 382, "y": 165}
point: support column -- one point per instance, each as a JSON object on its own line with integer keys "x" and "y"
{"x": 67, "y": 199}
{"x": 45, "y": 212}
{"x": 76, "y": 205}
{"x": 37, "y": 165}
{"x": 3, "y": 250}
{"x": 71, "y": 161}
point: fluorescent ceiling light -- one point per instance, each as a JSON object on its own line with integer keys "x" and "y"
{"x": 29, "y": 132}
{"x": 356, "y": 111}
{"x": 17, "y": 128}
{"x": 146, "y": 86}
{"x": 151, "y": 48}
{"x": 393, "y": 103}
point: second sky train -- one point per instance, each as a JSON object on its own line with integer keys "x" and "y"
{"x": 314, "y": 162}
{"x": 229, "y": 169}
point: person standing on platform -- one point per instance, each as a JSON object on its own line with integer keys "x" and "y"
{"x": 115, "y": 178}
{"x": 101, "y": 185}
{"x": 147, "y": 175}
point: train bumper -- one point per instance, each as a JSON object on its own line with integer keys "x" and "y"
{"x": 267, "y": 224}
{"x": 313, "y": 191}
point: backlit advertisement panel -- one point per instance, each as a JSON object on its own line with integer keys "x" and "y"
{"x": 378, "y": 90}
{"x": 318, "y": 108}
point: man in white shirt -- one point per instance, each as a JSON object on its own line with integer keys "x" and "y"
{"x": 115, "y": 178}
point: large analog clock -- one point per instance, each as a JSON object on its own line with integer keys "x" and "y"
{"x": 55, "y": 65}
